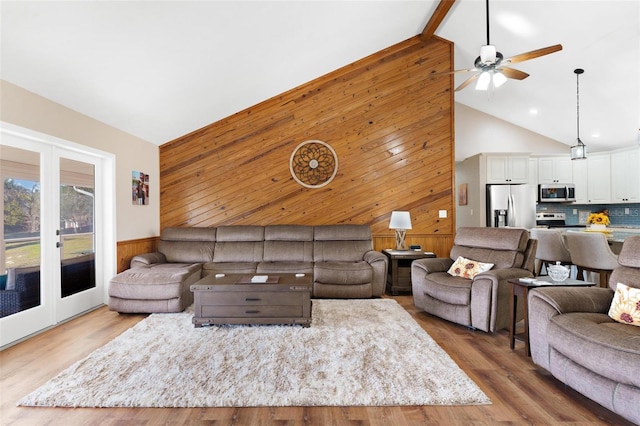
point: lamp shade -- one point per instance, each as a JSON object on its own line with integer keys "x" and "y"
{"x": 400, "y": 220}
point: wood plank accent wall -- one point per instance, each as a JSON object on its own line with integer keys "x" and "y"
{"x": 389, "y": 121}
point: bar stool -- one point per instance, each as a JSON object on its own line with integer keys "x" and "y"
{"x": 590, "y": 252}
{"x": 551, "y": 248}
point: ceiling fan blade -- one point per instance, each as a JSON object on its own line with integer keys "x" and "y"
{"x": 437, "y": 74}
{"x": 467, "y": 82}
{"x": 513, "y": 73}
{"x": 533, "y": 54}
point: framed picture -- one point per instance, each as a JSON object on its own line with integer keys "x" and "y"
{"x": 462, "y": 194}
{"x": 139, "y": 188}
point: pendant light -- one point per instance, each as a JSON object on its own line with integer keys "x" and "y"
{"x": 579, "y": 150}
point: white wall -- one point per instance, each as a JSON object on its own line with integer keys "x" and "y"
{"x": 478, "y": 132}
{"x": 26, "y": 109}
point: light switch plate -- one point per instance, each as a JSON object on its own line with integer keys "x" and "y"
{"x": 442, "y": 213}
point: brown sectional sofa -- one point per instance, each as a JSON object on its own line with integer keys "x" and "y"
{"x": 573, "y": 337}
{"x": 340, "y": 257}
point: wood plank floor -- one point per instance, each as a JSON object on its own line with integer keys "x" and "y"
{"x": 521, "y": 393}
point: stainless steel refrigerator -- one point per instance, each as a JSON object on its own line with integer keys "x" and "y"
{"x": 511, "y": 205}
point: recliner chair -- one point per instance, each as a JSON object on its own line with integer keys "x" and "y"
{"x": 482, "y": 302}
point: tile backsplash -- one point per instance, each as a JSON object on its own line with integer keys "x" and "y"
{"x": 619, "y": 214}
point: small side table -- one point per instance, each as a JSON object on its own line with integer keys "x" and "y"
{"x": 519, "y": 288}
{"x": 399, "y": 271}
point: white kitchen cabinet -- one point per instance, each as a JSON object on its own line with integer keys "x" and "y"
{"x": 555, "y": 170}
{"x": 579, "y": 171}
{"x": 625, "y": 176}
{"x": 533, "y": 170}
{"x": 508, "y": 169}
{"x": 599, "y": 178}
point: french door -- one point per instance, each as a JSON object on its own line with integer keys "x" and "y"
{"x": 52, "y": 234}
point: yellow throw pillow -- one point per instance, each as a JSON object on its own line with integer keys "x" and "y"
{"x": 467, "y": 268}
{"x": 625, "y": 307}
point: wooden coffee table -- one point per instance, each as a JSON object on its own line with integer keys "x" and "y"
{"x": 234, "y": 299}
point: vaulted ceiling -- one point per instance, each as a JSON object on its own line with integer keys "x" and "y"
{"x": 159, "y": 70}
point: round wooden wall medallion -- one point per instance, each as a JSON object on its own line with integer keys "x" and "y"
{"x": 313, "y": 164}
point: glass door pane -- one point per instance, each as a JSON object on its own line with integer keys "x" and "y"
{"x": 20, "y": 287}
{"x": 77, "y": 238}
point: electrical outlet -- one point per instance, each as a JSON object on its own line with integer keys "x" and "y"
{"x": 442, "y": 213}
{"x": 626, "y": 210}
{"x": 575, "y": 211}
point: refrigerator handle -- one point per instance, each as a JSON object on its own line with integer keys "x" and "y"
{"x": 511, "y": 211}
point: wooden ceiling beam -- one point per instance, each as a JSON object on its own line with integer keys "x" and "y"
{"x": 436, "y": 19}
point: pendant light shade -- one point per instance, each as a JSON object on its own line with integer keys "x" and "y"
{"x": 579, "y": 150}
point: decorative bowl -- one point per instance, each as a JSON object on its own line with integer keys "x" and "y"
{"x": 558, "y": 272}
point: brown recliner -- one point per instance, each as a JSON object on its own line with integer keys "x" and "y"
{"x": 482, "y": 302}
{"x": 572, "y": 336}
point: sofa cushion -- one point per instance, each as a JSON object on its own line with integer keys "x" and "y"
{"x": 157, "y": 283}
{"x": 285, "y": 268}
{"x": 229, "y": 268}
{"x": 187, "y": 245}
{"x": 504, "y": 247}
{"x": 341, "y": 243}
{"x": 347, "y": 273}
{"x": 240, "y": 233}
{"x": 511, "y": 239}
{"x": 452, "y": 290}
{"x": 239, "y": 243}
{"x": 288, "y": 233}
{"x": 625, "y": 306}
{"x": 288, "y": 243}
{"x": 467, "y": 268}
{"x": 596, "y": 342}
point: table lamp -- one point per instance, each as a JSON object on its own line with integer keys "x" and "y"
{"x": 400, "y": 221}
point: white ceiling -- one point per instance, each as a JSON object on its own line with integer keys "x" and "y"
{"x": 162, "y": 69}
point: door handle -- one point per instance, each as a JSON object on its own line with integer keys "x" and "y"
{"x": 59, "y": 243}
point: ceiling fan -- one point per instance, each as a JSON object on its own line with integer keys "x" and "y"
{"x": 490, "y": 65}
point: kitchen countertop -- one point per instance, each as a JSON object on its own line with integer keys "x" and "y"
{"x": 613, "y": 233}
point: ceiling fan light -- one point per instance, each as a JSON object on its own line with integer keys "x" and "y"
{"x": 483, "y": 81}
{"x": 488, "y": 54}
{"x": 499, "y": 79}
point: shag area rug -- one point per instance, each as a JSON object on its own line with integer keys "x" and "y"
{"x": 356, "y": 352}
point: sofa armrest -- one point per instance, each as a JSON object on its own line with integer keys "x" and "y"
{"x": 374, "y": 256}
{"x": 575, "y": 299}
{"x": 504, "y": 274}
{"x": 548, "y": 302}
{"x": 146, "y": 259}
{"x": 379, "y": 264}
{"x": 430, "y": 265}
{"x": 490, "y": 298}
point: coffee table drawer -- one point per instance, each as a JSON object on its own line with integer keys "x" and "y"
{"x": 251, "y": 298}
{"x": 257, "y": 311}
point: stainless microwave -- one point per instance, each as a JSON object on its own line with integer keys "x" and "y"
{"x": 556, "y": 193}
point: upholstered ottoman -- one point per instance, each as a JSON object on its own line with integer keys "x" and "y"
{"x": 164, "y": 288}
